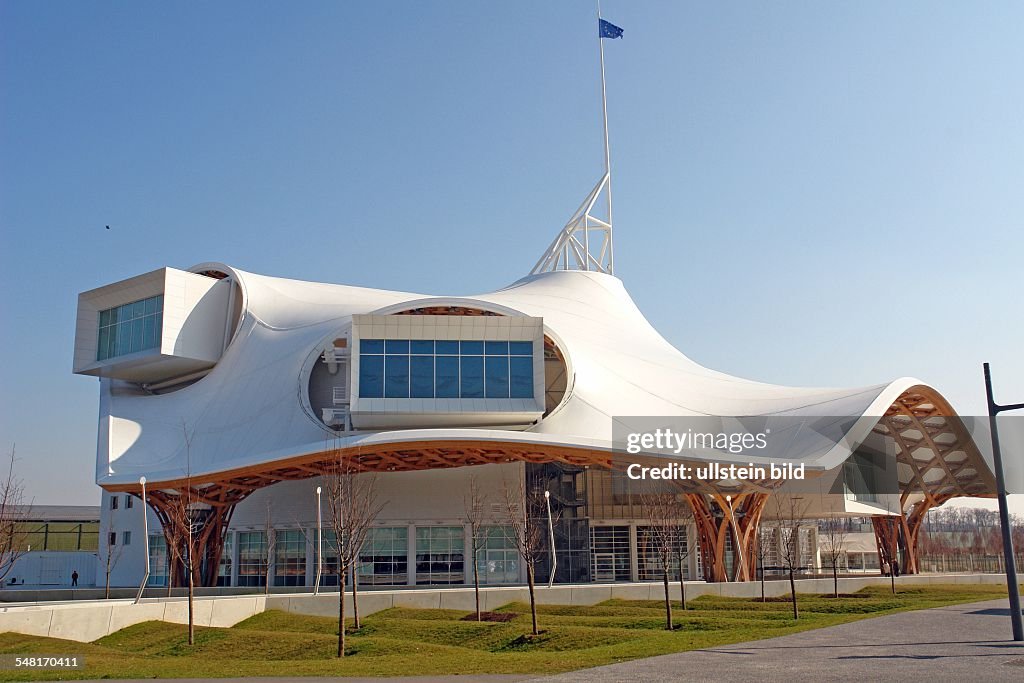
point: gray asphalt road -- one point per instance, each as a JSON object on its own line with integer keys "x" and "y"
{"x": 960, "y": 643}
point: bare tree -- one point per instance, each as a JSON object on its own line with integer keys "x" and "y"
{"x": 111, "y": 556}
{"x": 180, "y": 532}
{"x": 14, "y": 515}
{"x": 834, "y": 546}
{"x": 473, "y": 501}
{"x": 271, "y": 541}
{"x": 789, "y": 512}
{"x": 524, "y": 505}
{"x": 352, "y": 507}
{"x": 666, "y": 519}
{"x": 765, "y": 539}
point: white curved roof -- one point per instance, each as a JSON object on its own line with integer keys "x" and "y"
{"x": 249, "y": 409}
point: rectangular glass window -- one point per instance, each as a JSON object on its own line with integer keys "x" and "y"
{"x": 224, "y": 570}
{"x": 421, "y": 373}
{"x": 252, "y": 558}
{"x": 496, "y": 348}
{"x": 289, "y": 558}
{"x": 471, "y": 369}
{"x": 520, "y": 348}
{"x": 396, "y": 376}
{"x": 371, "y": 346}
{"x": 496, "y": 381}
{"x": 498, "y": 559}
{"x": 396, "y": 346}
{"x": 384, "y": 557}
{"x": 521, "y": 377}
{"x": 447, "y": 376}
{"x": 419, "y": 346}
{"x": 158, "y": 565}
{"x": 447, "y": 348}
{"x": 471, "y": 348}
{"x": 126, "y": 538}
{"x": 416, "y": 368}
{"x": 371, "y": 376}
{"x": 130, "y": 328}
{"x": 439, "y": 554}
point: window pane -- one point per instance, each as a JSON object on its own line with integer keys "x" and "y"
{"x": 149, "y": 337}
{"x": 497, "y": 376}
{"x": 472, "y": 375}
{"x": 396, "y": 346}
{"x": 101, "y": 350}
{"x": 371, "y": 376}
{"x": 371, "y": 346}
{"x": 521, "y": 376}
{"x": 447, "y": 376}
{"x": 422, "y": 373}
{"x": 520, "y": 348}
{"x": 496, "y": 348}
{"x": 471, "y": 348}
{"x": 447, "y": 348}
{"x": 396, "y": 376}
{"x": 124, "y": 338}
{"x": 159, "y": 302}
{"x": 104, "y": 318}
{"x": 138, "y": 332}
{"x": 421, "y": 346}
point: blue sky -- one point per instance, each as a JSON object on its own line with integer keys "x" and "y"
{"x": 806, "y": 193}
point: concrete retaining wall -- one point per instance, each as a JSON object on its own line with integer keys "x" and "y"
{"x": 87, "y": 621}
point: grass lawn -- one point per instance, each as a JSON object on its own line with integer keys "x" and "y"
{"x": 419, "y": 642}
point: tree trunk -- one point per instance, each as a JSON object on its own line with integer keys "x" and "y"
{"x": 835, "y": 579}
{"x": 668, "y": 602}
{"x": 191, "y": 614}
{"x": 533, "y": 598}
{"x": 762, "y": 584}
{"x": 476, "y": 584}
{"x": 355, "y": 598}
{"x": 341, "y": 614}
{"x": 682, "y": 586}
{"x": 792, "y": 592}
{"x": 106, "y": 590}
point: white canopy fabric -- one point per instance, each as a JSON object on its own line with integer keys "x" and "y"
{"x": 251, "y": 408}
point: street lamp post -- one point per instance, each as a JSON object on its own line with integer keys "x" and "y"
{"x": 319, "y": 544}
{"x": 1004, "y": 510}
{"x": 551, "y": 534}
{"x": 145, "y": 539}
{"x": 738, "y": 547}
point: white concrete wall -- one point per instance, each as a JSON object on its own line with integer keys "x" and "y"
{"x": 87, "y": 621}
{"x": 130, "y": 560}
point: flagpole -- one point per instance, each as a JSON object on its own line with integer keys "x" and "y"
{"x": 607, "y": 151}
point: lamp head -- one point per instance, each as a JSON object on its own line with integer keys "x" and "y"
{"x": 142, "y": 480}
{"x": 318, "y": 490}
{"x": 547, "y": 494}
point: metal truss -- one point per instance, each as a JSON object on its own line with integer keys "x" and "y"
{"x": 585, "y": 243}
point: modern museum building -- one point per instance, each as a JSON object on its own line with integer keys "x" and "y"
{"x": 244, "y": 392}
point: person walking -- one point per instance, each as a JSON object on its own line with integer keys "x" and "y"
{"x": 74, "y": 577}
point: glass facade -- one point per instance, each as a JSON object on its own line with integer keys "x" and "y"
{"x": 439, "y": 554}
{"x": 130, "y": 328}
{"x": 498, "y": 560}
{"x": 384, "y": 557}
{"x": 648, "y": 553}
{"x": 403, "y": 368}
{"x": 159, "y": 573}
{"x": 289, "y": 558}
{"x": 224, "y": 570}
{"x": 252, "y": 558}
{"x": 609, "y": 553}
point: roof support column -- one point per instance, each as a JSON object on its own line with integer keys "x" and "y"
{"x": 719, "y": 520}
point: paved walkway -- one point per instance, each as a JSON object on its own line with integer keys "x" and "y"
{"x": 969, "y": 642}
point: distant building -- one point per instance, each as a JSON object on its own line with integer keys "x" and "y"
{"x": 58, "y": 540}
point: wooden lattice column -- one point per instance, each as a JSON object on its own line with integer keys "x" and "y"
{"x": 887, "y": 538}
{"x": 717, "y": 521}
{"x": 209, "y": 529}
{"x": 912, "y": 524}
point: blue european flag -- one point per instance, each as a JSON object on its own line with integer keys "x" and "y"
{"x": 609, "y": 30}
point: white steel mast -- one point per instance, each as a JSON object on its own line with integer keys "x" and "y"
{"x": 572, "y": 248}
